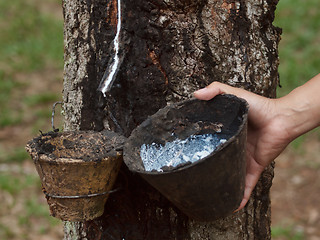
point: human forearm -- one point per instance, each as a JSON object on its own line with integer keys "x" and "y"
{"x": 300, "y": 109}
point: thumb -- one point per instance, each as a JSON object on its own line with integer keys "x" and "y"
{"x": 255, "y": 101}
{"x": 209, "y": 92}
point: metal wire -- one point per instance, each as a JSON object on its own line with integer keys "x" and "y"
{"x": 53, "y": 112}
{"x": 80, "y": 196}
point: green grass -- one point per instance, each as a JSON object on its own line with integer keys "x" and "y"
{"x": 9, "y": 117}
{"x": 34, "y": 210}
{"x": 14, "y": 184}
{"x": 7, "y": 85}
{"x": 25, "y": 190}
{"x": 6, "y": 232}
{"x": 288, "y": 233}
{"x": 17, "y": 155}
{"x": 41, "y": 98}
{"x": 299, "y": 48}
{"x": 29, "y": 39}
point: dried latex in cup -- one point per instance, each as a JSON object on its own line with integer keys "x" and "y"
{"x": 178, "y": 152}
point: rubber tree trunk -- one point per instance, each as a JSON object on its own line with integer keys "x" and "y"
{"x": 167, "y": 49}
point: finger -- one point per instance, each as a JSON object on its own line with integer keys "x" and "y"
{"x": 254, "y": 171}
{"x": 251, "y": 182}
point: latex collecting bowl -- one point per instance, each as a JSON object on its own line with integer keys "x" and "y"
{"x": 213, "y": 186}
{"x": 77, "y": 171}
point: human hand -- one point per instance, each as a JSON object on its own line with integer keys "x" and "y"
{"x": 267, "y": 135}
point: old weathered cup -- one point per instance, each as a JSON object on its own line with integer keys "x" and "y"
{"x": 77, "y": 171}
{"x": 212, "y": 187}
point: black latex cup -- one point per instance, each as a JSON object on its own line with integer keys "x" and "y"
{"x": 212, "y": 187}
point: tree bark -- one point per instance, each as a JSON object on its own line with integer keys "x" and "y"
{"x": 168, "y": 49}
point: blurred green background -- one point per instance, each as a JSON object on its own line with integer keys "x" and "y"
{"x": 31, "y": 63}
{"x": 31, "y": 68}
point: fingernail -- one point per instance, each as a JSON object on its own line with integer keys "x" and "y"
{"x": 237, "y": 210}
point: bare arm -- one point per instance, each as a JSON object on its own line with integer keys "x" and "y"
{"x": 273, "y": 123}
{"x": 301, "y": 108}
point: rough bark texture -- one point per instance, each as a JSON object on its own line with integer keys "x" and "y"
{"x": 169, "y": 48}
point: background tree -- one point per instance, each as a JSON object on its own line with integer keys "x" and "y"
{"x": 168, "y": 49}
